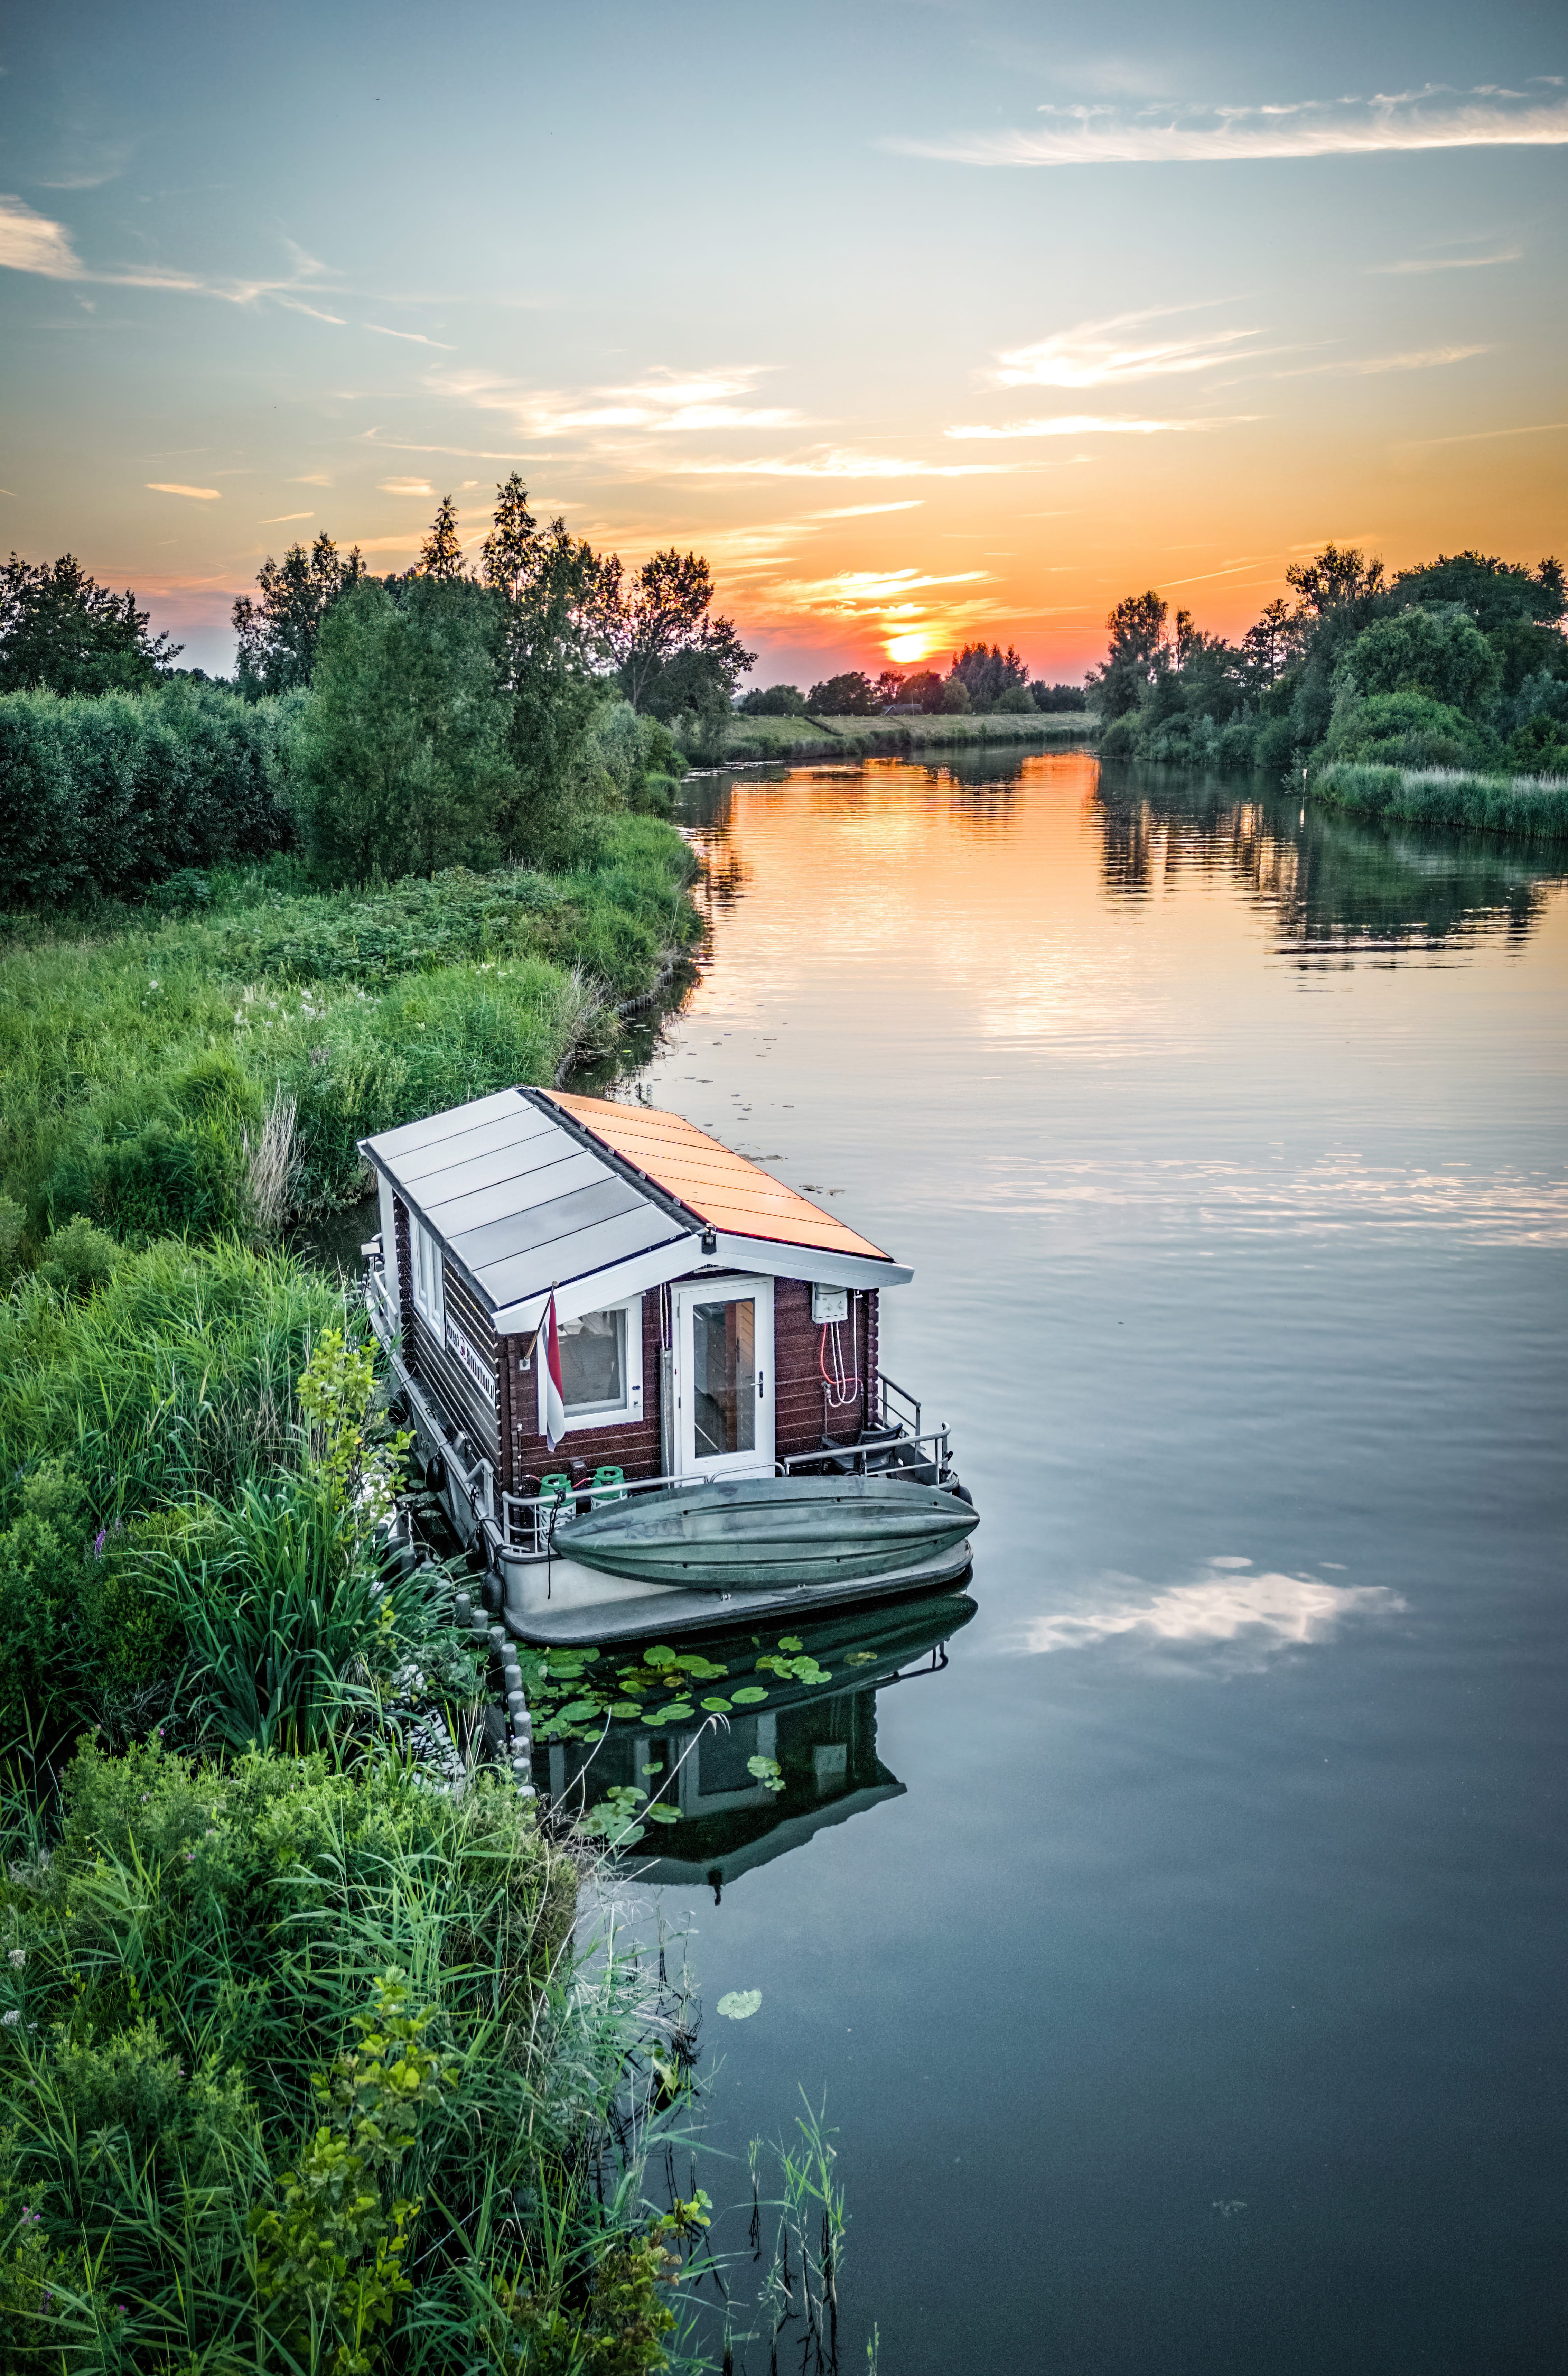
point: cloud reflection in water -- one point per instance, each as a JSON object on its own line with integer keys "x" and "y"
{"x": 1258, "y": 1613}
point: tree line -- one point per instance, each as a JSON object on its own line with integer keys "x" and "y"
{"x": 383, "y": 725}
{"x": 1460, "y": 663}
{"x": 983, "y": 677}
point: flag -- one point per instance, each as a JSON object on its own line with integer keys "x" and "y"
{"x": 550, "y": 1368}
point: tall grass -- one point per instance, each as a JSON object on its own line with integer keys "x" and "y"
{"x": 190, "y": 1960}
{"x": 1534, "y": 806}
{"x": 176, "y": 1380}
{"x": 144, "y": 1074}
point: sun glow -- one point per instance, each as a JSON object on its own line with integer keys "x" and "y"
{"x": 909, "y": 647}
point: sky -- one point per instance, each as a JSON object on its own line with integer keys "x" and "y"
{"x": 925, "y": 324}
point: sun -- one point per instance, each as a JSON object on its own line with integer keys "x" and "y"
{"x": 909, "y": 647}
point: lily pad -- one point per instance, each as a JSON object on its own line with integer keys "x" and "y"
{"x": 748, "y": 1695}
{"x": 577, "y": 1710}
{"x": 624, "y": 1709}
{"x": 661, "y": 1814}
{"x": 717, "y": 1707}
{"x": 739, "y": 2004}
{"x": 676, "y": 1713}
{"x": 790, "y": 1642}
{"x": 659, "y": 1655}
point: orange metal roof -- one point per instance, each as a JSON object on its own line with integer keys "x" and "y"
{"x": 713, "y": 1183}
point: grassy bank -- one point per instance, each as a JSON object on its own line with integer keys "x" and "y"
{"x": 213, "y": 1070}
{"x": 1532, "y": 806}
{"x": 790, "y": 739}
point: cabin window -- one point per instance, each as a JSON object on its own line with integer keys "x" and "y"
{"x": 430, "y": 1296}
{"x": 601, "y": 1365}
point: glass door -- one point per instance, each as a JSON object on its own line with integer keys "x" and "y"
{"x": 723, "y": 1378}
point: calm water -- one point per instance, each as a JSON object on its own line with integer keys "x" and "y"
{"x": 1182, "y": 1962}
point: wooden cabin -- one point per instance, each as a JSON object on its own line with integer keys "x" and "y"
{"x": 712, "y": 1323}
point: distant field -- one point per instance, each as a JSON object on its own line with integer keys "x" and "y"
{"x": 820, "y": 738}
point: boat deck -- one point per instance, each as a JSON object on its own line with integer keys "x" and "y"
{"x": 649, "y": 1616}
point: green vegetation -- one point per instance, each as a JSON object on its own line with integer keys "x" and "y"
{"x": 790, "y": 737}
{"x": 1458, "y": 667}
{"x": 1529, "y": 805}
{"x": 214, "y": 1071}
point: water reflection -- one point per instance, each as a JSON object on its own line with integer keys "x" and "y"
{"x": 1336, "y": 886}
{"x": 819, "y": 1739}
{"x": 1259, "y": 1614}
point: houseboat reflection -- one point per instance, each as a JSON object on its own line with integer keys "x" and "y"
{"x": 820, "y": 1738}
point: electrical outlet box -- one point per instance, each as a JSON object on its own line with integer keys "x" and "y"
{"x": 829, "y": 1303}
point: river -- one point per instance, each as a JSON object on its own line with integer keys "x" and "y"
{"x": 1182, "y": 1962}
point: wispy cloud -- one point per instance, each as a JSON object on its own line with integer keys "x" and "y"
{"x": 279, "y": 518}
{"x": 1450, "y": 263}
{"x": 197, "y": 495}
{"x": 1090, "y": 424}
{"x": 414, "y": 338}
{"x": 406, "y": 487}
{"x": 661, "y": 403}
{"x": 1420, "y": 359}
{"x": 31, "y": 243}
{"x": 297, "y": 305}
{"x": 1101, "y": 354}
{"x": 836, "y": 462}
{"x": 1433, "y": 117}
{"x": 867, "y": 511}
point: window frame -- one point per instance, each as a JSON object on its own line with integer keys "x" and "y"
{"x": 628, "y": 1411}
{"x": 429, "y": 1280}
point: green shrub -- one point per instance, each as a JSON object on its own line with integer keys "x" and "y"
{"x": 1441, "y": 654}
{"x": 263, "y": 2012}
{"x": 102, "y": 796}
{"x": 1403, "y": 730}
{"x": 1016, "y": 701}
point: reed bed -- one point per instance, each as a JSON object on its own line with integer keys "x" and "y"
{"x": 1535, "y": 807}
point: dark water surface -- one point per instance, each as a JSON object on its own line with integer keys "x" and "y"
{"x": 1182, "y": 1962}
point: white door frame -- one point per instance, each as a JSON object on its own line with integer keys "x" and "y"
{"x": 734, "y": 1289}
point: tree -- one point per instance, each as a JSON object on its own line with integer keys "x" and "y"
{"x": 924, "y": 688}
{"x": 441, "y": 554}
{"x": 890, "y": 687}
{"x": 1492, "y": 590}
{"x": 1138, "y": 651}
{"x": 776, "y": 701}
{"x": 1268, "y": 643}
{"x": 559, "y": 600}
{"x": 670, "y": 654}
{"x": 848, "y": 696}
{"x": 402, "y": 756}
{"x": 1057, "y": 698}
{"x": 278, "y": 634}
{"x": 1333, "y": 578}
{"x": 987, "y": 672}
{"x": 1440, "y": 653}
{"x": 62, "y": 632}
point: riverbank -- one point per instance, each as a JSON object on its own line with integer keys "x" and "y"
{"x": 213, "y": 1069}
{"x": 1532, "y": 806}
{"x": 791, "y": 739}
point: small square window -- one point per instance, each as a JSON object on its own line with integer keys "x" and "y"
{"x": 429, "y": 1298}
{"x": 601, "y": 1366}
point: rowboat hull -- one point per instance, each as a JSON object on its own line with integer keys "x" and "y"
{"x": 761, "y": 1533}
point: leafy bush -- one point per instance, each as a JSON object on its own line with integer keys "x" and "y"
{"x": 1016, "y": 701}
{"x": 1403, "y": 730}
{"x": 101, "y": 797}
{"x": 1442, "y": 654}
{"x": 230, "y": 2099}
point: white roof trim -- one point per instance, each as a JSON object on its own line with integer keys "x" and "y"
{"x": 684, "y": 1258}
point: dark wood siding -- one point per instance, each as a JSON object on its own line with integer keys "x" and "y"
{"x": 467, "y": 1404}
{"x": 635, "y": 1448}
{"x": 800, "y": 1416}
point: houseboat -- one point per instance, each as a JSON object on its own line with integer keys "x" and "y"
{"x": 645, "y": 1375}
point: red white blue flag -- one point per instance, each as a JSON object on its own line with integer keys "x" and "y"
{"x": 550, "y": 1366}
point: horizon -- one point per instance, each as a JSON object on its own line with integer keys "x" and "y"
{"x": 924, "y": 329}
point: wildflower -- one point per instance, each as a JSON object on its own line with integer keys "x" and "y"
{"x": 98, "y": 1540}
{"x": 16, "y": 1958}
{"x": 10, "y": 2019}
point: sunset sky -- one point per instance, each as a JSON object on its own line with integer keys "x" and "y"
{"x": 923, "y": 323}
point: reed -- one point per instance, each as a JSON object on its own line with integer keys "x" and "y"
{"x": 1535, "y": 807}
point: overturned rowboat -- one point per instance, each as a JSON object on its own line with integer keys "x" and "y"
{"x": 645, "y": 1375}
{"x": 771, "y": 1533}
